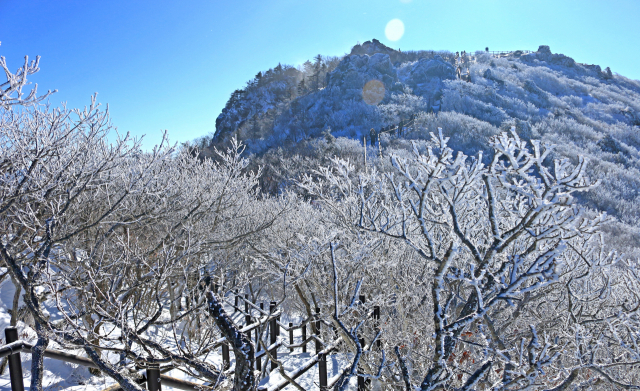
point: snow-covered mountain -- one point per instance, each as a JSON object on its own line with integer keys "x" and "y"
{"x": 582, "y": 109}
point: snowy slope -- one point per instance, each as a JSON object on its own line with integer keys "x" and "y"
{"x": 582, "y": 109}
{"x": 65, "y": 376}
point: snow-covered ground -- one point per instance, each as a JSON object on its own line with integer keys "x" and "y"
{"x": 60, "y": 375}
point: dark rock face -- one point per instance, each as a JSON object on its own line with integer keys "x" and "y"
{"x": 490, "y": 76}
{"x": 610, "y": 145}
{"x": 542, "y": 49}
{"x": 544, "y": 54}
{"x": 257, "y": 98}
{"x": 561, "y": 59}
{"x": 373, "y": 47}
{"x": 524, "y": 130}
{"x": 355, "y": 70}
{"x": 594, "y": 68}
{"x": 424, "y": 70}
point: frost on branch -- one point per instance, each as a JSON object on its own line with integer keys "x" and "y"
{"x": 512, "y": 259}
{"x": 11, "y": 91}
{"x": 119, "y": 244}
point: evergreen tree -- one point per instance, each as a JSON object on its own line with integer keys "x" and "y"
{"x": 317, "y": 69}
{"x": 307, "y": 68}
{"x": 302, "y": 88}
{"x": 235, "y": 97}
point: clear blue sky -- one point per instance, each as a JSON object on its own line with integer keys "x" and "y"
{"x": 172, "y": 65}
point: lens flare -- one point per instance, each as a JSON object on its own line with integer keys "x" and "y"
{"x": 394, "y": 30}
{"x": 373, "y": 92}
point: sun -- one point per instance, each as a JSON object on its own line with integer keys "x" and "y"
{"x": 394, "y": 30}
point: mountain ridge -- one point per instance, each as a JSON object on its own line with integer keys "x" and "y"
{"x": 285, "y": 93}
{"x": 581, "y": 108}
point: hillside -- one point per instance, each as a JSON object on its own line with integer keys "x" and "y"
{"x": 353, "y": 241}
{"x": 582, "y": 109}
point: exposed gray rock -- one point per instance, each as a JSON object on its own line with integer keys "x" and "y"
{"x": 542, "y": 96}
{"x": 491, "y": 76}
{"x": 424, "y": 70}
{"x": 544, "y": 54}
{"x": 631, "y": 116}
{"x": 524, "y": 130}
{"x": 544, "y": 49}
{"x": 595, "y": 68}
{"x": 610, "y": 145}
{"x": 354, "y": 71}
{"x": 372, "y": 47}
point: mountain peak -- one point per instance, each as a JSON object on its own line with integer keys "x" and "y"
{"x": 372, "y": 47}
{"x": 472, "y": 96}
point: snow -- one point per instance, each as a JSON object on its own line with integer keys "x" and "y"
{"x": 59, "y": 375}
{"x": 309, "y": 380}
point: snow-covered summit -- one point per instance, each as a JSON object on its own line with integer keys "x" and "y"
{"x": 584, "y": 109}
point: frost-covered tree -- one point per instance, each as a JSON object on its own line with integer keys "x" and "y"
{"x": 11, "y": 91}
{"x": 121, "y": 244}
{"x": 505, "y": 255}
{"x": 487, "y": 272}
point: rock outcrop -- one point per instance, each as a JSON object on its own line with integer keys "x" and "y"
{"x": 544, "y": 54}
{"x": 424, "y": 70}
{"x": 373, "y": 47}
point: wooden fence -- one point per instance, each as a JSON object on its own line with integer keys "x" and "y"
{"x": 254, "y": 317}
{"x": 505, "y": 53}
{"x": 398, "y": 129}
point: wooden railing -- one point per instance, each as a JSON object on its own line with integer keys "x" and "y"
{"x": 502, "y": 53}
{"x": 16, "y": 346}
{"x": 152, "y": 376}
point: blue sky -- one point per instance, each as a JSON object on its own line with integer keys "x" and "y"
{"x": 172, "y": 65}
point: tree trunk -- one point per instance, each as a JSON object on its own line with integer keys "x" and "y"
{"x": 37, "y": 358}
{"x": 243, "y": 349}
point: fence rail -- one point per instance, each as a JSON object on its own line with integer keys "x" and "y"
{"x": 507, "y": 52}
{"x": 305, "y": 367}
{"x": 14, "y": 348}
{"x": 154, "y": 379}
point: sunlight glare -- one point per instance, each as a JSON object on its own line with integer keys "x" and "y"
{"x": 373, "y": 92}
{"x": 394, "y": 30}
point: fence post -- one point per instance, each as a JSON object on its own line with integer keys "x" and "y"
{"x": 361, "y": 385}
{"x": 363, "y": 299}
{"x": 318, "y": 344}
{"x": 252, "y": 352}
{"x": 273, "y": 328}
{"x": 15, "y": 365}
{"x": 364, "y": 384}
{"x": 226, "y": 362}
{"x": 290, "y": 336}
{"x": 322, "y": 359}
{"x": 304, "y": 338}
{"x": 235, "y": 307}
{"x": 259, "y": 359}
{"x": 247, "y": 311}
{"x": 153, "y": 378}
{"x": 376, "y": 319}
